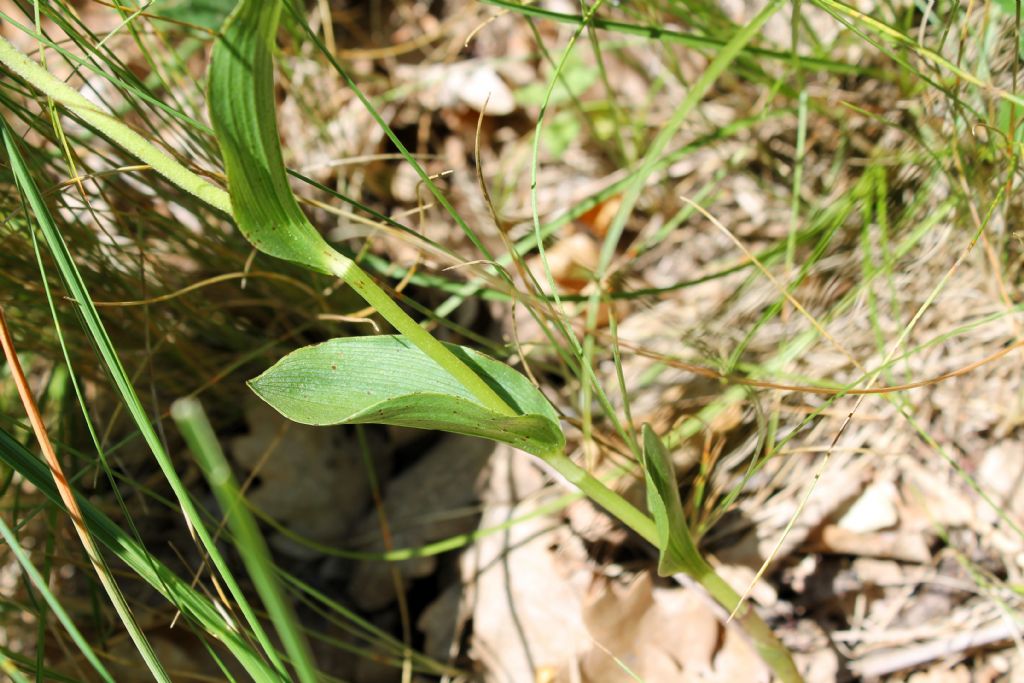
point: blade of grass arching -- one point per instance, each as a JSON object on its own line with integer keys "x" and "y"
{"x": 10, "y": 668}
{"x": 840, "y": 9}
{"x": 798, "y": 175}
{"x": 529, "y": 242}
{"x": 694, "y": 95}
{"x": 248, "y": 540}
{"x": 97, "y": 332}
{"x": 52, "y": 602}
{"x": 196, "y": 608}
{"x": 654, "y": 152}
{"x": 402, "y": 600}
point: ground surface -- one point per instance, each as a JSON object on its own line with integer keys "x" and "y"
{"x": 856, "y": 230}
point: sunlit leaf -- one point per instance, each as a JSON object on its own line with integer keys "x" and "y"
{"x": 386, "y": 380}
{"x": 677, "y": 551}
{"x": 241, "y": 103}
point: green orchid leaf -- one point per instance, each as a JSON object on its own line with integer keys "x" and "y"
{"x": 676, "y": 549}
{"x": 240, "y": 98}
{"x": 386, "y": 380}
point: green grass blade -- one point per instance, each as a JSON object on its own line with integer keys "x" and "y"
{"x": 194, "y": 606}
{"x": 661, "y": 33}
{"x": 40, "y": 583}
{"x": 194, "y": 426}
{"x": 729, "y": 52}
{"x": 28, "y": 190}
{"x": 97, "y": 332}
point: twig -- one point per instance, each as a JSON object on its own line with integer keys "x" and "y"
{"x": 890, "y": 661}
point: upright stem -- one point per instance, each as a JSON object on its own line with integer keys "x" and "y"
{"x": 773, "y": 652}
{"x": 596, "y": 490}
{"x": 357, "y": 278}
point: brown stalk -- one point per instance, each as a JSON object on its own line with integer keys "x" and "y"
{"x": 50, "y": 455}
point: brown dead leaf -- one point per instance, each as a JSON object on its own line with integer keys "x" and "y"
{"x": 571, "y": 261}
{"x": 425, "y": 503}
{"x": 300, "y": 471}
{"x": 527, "y": 584}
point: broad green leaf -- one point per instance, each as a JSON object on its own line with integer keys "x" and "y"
{"x": 677, "y": 551}
{"x": 241, "y": 103}
{"x": 387, "y": 380}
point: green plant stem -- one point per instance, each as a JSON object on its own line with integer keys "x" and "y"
{"x": 111, "y": 126}
{"x": 599, "y": 492}
{"x": 358, "y": 279}
{"x": 771, "y": 650}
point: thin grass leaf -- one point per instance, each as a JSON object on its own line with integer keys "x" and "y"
{"x": 667, "y": 35}
{"x": 386, "y": 380}
{"x": 97, "y": 332}
{"x": 194, "y": 606}
{"x": 40, "y": 583}
{"x": 195, "y": 427}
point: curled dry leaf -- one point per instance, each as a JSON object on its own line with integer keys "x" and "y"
{"x": 670, "y": 635}
{"x": 571, "y": 260}
{"x": 527, "y": 584}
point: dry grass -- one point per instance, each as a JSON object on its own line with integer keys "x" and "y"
{"x": 879, "y": 194}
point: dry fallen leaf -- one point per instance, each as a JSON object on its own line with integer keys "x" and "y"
{"x": 473, "y": 83}
{"x": 301, "y": 471}
{"x": 426, "y": 502}
{"x": 527, "y": 584}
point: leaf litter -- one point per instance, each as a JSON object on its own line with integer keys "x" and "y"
{"x": 896, "y": 568}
